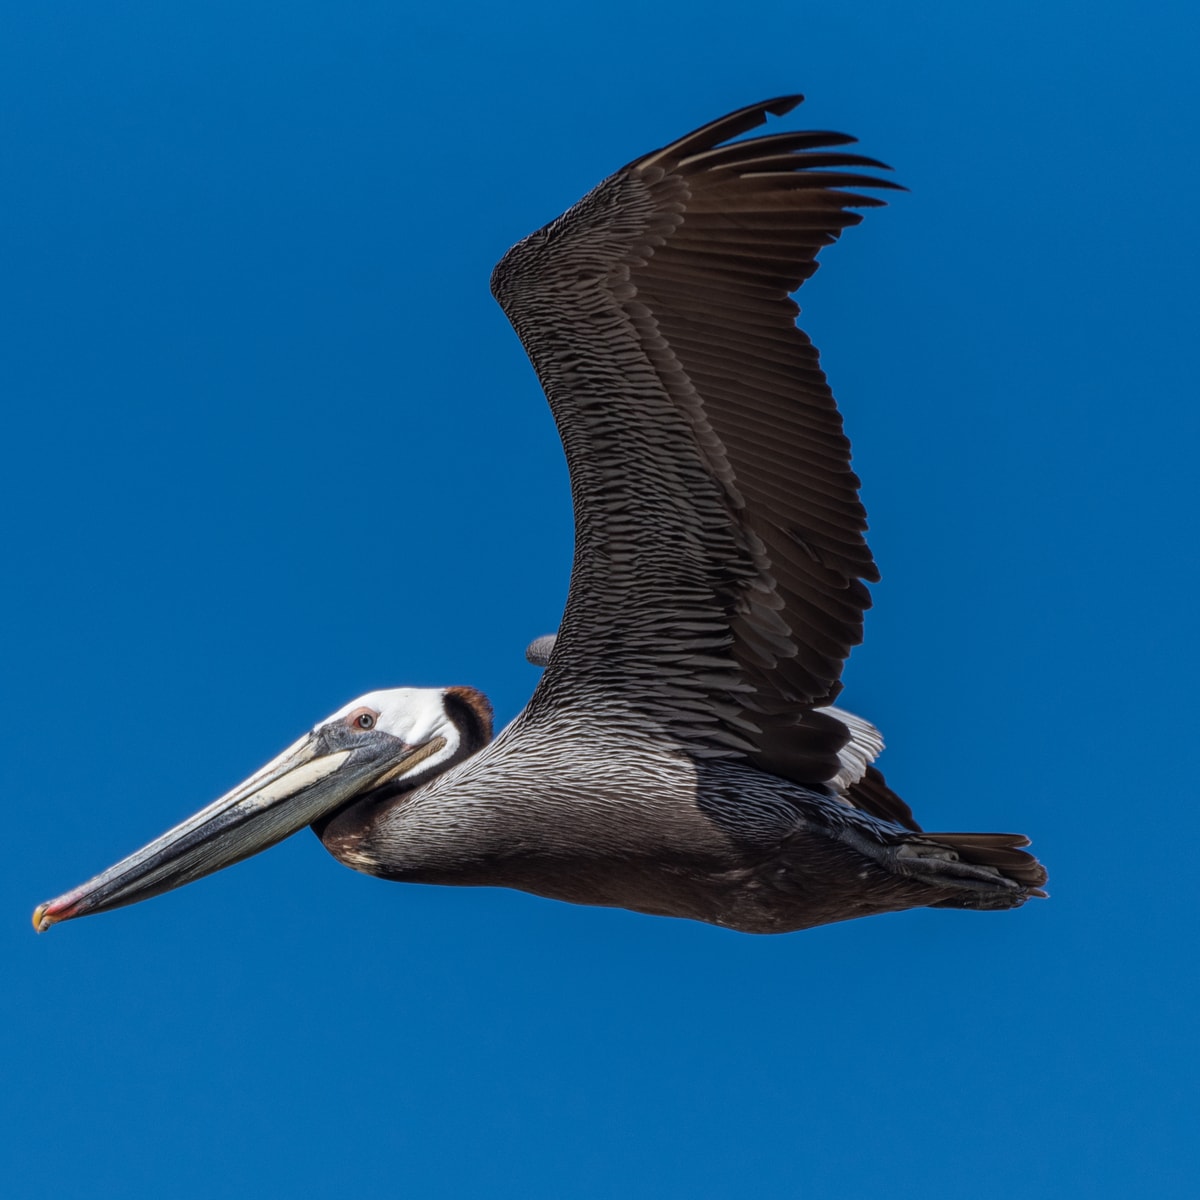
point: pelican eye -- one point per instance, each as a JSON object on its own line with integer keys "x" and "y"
{"x": 363, "y": 719}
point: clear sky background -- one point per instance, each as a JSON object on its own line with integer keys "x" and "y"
{"x": 268, "y": 444}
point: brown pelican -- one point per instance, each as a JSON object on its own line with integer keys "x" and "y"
{"x": 680, "y": 755}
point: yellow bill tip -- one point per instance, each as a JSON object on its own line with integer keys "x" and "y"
{"x": 43, "y": 918}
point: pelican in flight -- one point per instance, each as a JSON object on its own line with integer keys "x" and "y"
{"x": 681, "y": 754}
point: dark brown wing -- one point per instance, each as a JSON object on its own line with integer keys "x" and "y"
{"x": 718, "y": 582}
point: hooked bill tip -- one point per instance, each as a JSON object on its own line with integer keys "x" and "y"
{"x": 43, "y": 918}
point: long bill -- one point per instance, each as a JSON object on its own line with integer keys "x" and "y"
{"x": 312, "y": 777}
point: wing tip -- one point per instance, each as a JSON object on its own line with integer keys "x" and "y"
{"x": 732, "y": 125}
{"x": 780, "y": 106}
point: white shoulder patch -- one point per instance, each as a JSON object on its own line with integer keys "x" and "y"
{"x": 863, "y": 748}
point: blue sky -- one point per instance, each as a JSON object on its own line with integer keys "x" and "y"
{"x": 270, "y": 444}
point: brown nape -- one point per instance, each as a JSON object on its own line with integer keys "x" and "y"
{"x": 471, "y": 711}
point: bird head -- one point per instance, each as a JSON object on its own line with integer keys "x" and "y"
{"x": 382, "y": 742}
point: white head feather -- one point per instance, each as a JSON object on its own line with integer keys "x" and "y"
{"x": 414, "y": 715}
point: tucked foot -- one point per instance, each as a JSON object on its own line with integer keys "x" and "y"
{"x": 979, "y": 870}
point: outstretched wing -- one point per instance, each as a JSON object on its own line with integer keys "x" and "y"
{"x": 718, "y": 581}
